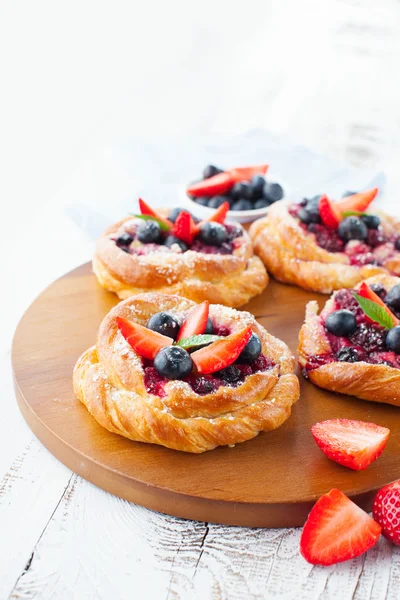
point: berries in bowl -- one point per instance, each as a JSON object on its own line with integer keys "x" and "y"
{"x": 247, "y": 190}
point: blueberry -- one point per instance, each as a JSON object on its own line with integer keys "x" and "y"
{"x": 242, "y": 204}
{"x": 210, "y": 171}
{"x": 371, "y": 221}
{"x": 203, "y": 200}
{"x": 173, "y": 362}
{"x": 309, "y": 214}
{"x": 341, "y": 322}
{"x": 273, "y": 191}
{"x": 397, "y": 244}
{"x": 212, "y": 234}
{"x": 393, "y": 339}
{"x": 352, "y": 228}
{"x": 170, "y": 240}
{"x": 165, "y": 324}
{"x": 304, "y": 216}
{"x": 251, "y": 351}
{"x": 204, "y": 385}
{"x": 149, "y": 232}
{"x": 315, "y": 199}
{"x": 210, "y": 328}
{"x": 257, "y": 183}
{"x": 348, "y": 354}
{"x": 216, "y": 201}
{"x": 230, "y": 374}
{"x": 124, "y": 239}
{"x": 242, "y": 190}
{"x": 261, "y": 203}
{"x": 348, "y": 193}
{"x": 378, "y": 289}
{"x": 393, "y": 297}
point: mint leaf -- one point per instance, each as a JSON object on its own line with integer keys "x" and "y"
{"x": 162, "y": 225}
{"x": 354, "y": 213}
{"x": 375, "y": 312}
{"x": 198, "y": 340}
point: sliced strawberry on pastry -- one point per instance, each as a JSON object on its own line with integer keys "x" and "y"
{"x": 222, "y": 353}
{"x": 357, "y": 202}
{"x": 328, "y": 212}
{"x": 366, "y": 292}
{"x": 185, "y": 228}
{"x": 144, "y": 341}
{"x": 196, "y": 321}
{"x": 145, "y": 209}
{"x": 337, "y": 530}
{"x": 353, "y": 444}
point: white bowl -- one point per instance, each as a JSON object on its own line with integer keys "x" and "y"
{"x": 240, "y": 216}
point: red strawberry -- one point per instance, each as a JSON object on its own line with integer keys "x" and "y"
{"x": 365, "y": 291}
{"x": 144, "y": 341}
{"x": 353, "y": 444}
{"x": 246, "y": 173}
{"x": 222, "y": 353}
{"x": 357, "y": 202}
{"x": 328, "y": 212}
{"x": 184, "y": 228}
{"x": 217, "y": 217}
{"x": 386, "y": 511}
{"x": 196, "y": 321}
{"x": 337, "y": 530}
{"x": 145, "y": 209}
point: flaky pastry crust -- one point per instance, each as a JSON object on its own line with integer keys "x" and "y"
{"x": 292, "y": 255}
{"x": 230, "y": 279}
{"x": 109, "y": 380}
{"x": 379, "y": 383}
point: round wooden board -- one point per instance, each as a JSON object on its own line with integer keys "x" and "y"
{"x": 270, "y": 481}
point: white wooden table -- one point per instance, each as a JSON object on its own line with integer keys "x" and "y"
{"x": 325, "y": 74}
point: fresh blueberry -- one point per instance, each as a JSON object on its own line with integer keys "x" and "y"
{"x": 149, "y": 232}
{"x": 393, "y": 339}
{"x": 371, "y": 221}
{"x": 165, "y": 324}
{"x": 397, "y": 244}
{"x": 304, "y": 216}
{"x": 309, "y": 214}
{"x": 212, "y": 234}
{"x": 348, "y": 193}
{"x": 273, "y": 191}
{"x": 210, "y": 328}
{"x": 341, "y": 322}
{"x": 261, "y": 203}
{"x": 242, "y": 204}
{"x": 251, "y": 351}
{"x": 173, "y": 362}
{"x": 352, "y": 228}
{"x": 216, "y": 201}
{"x": 348, "y": 354}
{"x": 257, "y": 183}
{"x": 378, "y": 289}
{"x": 242, "y": 190}
{"x": 170, "y": 240}
{"x": 210, "y": 171}
{"x": 393, "y": 297}
{"x": 124, "y": 239}
{"x": 230, "y": 374}
{"x": 315, "y": 199}
{"x": 203, "y": 200}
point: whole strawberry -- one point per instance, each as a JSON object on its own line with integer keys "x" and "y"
{"x": 386, "y": 511}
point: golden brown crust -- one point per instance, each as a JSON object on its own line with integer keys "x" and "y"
{"x": 230, "y": 279}
{"x": 380, "y": 383}
{"x": 293, "y": 256}
{"x": 108, "y": 379}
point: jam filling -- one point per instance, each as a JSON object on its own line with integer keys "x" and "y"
{"x": 126, "y": 239}
{"x": 231, "y": 376}
{"x": 360, "y": 253}
{"x": 366, "y": 343}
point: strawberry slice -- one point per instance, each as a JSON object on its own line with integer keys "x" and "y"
{"x": 386, "y": 511}
{"x": 212, "y": 186}
{"x": 246, "y": 173}
{"x": 337, "y": 530}
{"x": 366, "y": 292}
{"x": 329, "y": 214}
{"x": 144, "y": 341}
{"x": 222, "y": 353}
{"x": 350, "y": 443}
{"x": 184, "y": 227}
{"x": 145, "y": 209}
{"x": 357, "y": 202}
{"x": 196, "y": 321}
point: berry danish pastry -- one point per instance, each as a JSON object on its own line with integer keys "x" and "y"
{"x": 323, "y": 246}
{"x": 353, "y": 345}
{"x": 208, "y": 260}
{"x": 187, "y": 376}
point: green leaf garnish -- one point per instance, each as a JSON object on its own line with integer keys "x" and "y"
{"x": 354, "y": 213}
{"x": 198, "y": 340}
{"x": 162, "y": 225}
{"x": 375, "y": 312}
